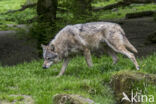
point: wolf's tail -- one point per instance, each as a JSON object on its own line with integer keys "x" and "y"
{"x": 129, "y": 45}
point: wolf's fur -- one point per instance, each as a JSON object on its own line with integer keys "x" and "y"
{"x": 84, "y": 37}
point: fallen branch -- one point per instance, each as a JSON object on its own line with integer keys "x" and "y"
{"x": 111, "y": 6}
{"x": 21, "y": 9}
{"x": 30, "y": 6}
{"x": 140, "y": 1}
{"x": 140, "y": 14}
{"x": 123, "y": 4}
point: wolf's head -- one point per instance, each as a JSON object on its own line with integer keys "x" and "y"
{"x": 49, "y": 55}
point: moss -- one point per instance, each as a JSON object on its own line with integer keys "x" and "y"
{"x": 127, "y": 81}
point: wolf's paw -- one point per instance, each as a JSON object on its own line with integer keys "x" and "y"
{"x": 58, "y": 76}
{"x": 138, "y": 67}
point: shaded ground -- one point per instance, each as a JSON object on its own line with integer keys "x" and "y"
{"x": 15, "y": 51}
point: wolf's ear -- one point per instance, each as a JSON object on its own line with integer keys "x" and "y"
{"x": 43, "y": 46}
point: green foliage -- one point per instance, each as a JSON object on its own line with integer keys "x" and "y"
{"x": 41, "y": 32}
{"x": 67, "y": 17}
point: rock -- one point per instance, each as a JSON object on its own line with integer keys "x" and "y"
{"x": 4, "y": 33}
{"x": 124, "y": 82}
{"x": 154, "y": 17}
{"x": 114, "y": 9}
{"x": 152, "y": 37}
{"x": 140, "y": 14}
{"x": 71, "y": 99}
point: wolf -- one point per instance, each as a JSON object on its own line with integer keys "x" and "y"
{"x": 73, "y": 39}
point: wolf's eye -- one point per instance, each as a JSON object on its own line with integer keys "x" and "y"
{"x": 48, "y": 58}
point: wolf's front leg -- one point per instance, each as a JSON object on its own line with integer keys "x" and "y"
{"x": 88, "y": 57}
{"x": 64, "y": 66}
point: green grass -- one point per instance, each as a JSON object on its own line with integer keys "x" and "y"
{"x": 6, "y": 5}
{"x": 31, "y": 79}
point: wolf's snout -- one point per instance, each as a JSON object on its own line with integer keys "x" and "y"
{"x": 44, "y": 67}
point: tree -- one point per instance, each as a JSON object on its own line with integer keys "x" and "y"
{"x": 43, "y": 31}
{"x": 81, "y": 8}
{"x": 46, "y": 10}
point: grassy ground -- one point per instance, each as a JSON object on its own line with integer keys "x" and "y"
{"x": 31, "y": 79}
{"x": 6, "y": 5}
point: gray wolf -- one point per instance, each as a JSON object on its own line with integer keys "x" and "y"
{"x": 73, "y": 39}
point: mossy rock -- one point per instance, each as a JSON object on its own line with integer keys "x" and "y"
{"x": 71, "y": 99}
{"x": 128, "y": 81}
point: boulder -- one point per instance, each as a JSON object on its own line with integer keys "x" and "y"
{"x": 71, "y": 99}
{"x": 124, "y": 82}
{"x": 151, "y": 38}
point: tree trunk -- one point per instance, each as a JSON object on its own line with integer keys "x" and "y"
{"x": 45, "y": 29}
{"x": 82, "y": 8}
{"x": 46, "y": 10}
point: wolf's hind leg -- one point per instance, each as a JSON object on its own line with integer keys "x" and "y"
{"x": 115, "y": 41}
{"x": 65, "y": 64}
{"x": 88, "y": 57}
{"x": 113, "y": 55}
{"x": 130, "y": 56}
{"x": 124, "y": 51}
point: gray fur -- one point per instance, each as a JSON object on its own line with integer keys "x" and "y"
{"x": 83, "y": 37}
